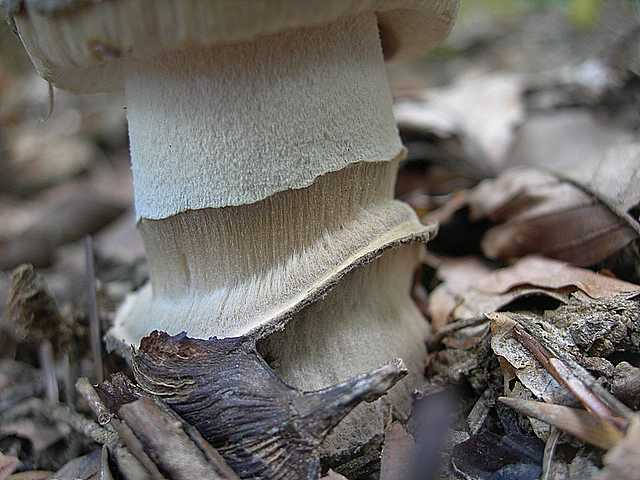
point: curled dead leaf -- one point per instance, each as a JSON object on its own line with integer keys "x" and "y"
{"x": 470, "y": 288}
{"x": 539, "y": 213}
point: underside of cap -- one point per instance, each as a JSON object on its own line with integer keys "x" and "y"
{"x": 77, "y": 45}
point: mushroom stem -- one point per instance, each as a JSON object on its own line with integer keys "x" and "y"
{"x": 241, "y": 270}
{"x": 233, "y": 124}
{"x": 264, "y": 177}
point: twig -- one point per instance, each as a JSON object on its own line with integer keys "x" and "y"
{"x": 549, "y": 453}
{"x": 47, "y": 364}
{"x": 50, "y": 103}
{"x": 128, "y": 464}
{"x": 437, "y": 338}
{"x": 100, "y": 410}
{"x": 67, "y": 379}
{"x": 61, "y": 413}
{"x": 134, "y": 446}
{"x": 577, "y": 422}
{"x": 564, "y": 376}
{"x": 92, "y": 303}
{"x": 105, "y": 471}
{"x": 162, "y": 436}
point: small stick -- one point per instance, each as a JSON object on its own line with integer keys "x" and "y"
{"x": 135, "y": 447}
{"x": 549, "y": 453}
{"x": 92, "y": 303}
{"x": 47, "y": 363}
{"x": 579, "y": 423}
{"x": 105, "y": 471}
{"x": 97, "y": 406}
{"x": 127, "y": 463}
{"x": 67, "y": 378}
{"x": 61, "y": 413}
{"x": 564, "y": 376}
{"x": 435, "y": 341}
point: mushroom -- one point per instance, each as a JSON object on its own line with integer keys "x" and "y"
{"x": 264, "y": 154}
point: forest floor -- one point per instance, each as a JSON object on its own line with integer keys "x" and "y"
{"x": 522, "y": 137}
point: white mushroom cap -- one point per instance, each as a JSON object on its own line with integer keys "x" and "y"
{"x": 79, "y": 45}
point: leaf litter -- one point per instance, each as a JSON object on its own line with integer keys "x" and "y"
{"x": 531, "y": 288}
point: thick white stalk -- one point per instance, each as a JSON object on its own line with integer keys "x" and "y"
{"x": 247, "y": 270}
{"x": 232, "y": 125}
{"x": 264, "y": 178}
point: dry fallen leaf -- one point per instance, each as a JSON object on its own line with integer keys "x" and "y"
{"x": 539, "y": 213}
{"x": 456, "y": 109}
{"x": 553, "y": 275}
{"x": 75, "y": 211}
{"x": 32, "y": 312}
{"x": 517, "y": 362}
{"x": 39, "y": 434}
{"x": 471, "y": 288}
{"x": 594, "y": 153}
{"x": 40, "y": 158}
{"x": 574, "y": 196}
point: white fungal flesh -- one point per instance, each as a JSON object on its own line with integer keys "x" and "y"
{"x": 366, "y": 320}
{"x": 264, "y": 177}
{"x": 244, "y": 270}
{"x": 232, "y": 125}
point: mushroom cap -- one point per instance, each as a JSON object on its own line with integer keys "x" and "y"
{"x": 79, "y": 45}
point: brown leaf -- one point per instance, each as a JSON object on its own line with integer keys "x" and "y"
{"x": 40, "y": 435}
{"x": 549, "y": 274}
{"x": 471, "y": 288}
{"x": 76, "y": 211}
{"x": 596, "y": 154}
{"x": 460, "y": 296}
{"x": 455, "y": 109}
{"x": 576, "y": 197}
{"x": 538, "y": 213}
{"x": 40, "y": 158}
